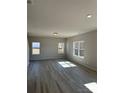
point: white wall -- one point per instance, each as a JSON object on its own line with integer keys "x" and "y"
{"x": 90, "y": 45}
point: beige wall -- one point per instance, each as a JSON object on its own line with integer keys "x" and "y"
{"x": 27, "y": 53}
{"x": 90, "y": 45}
{"x": 49, "y": 48}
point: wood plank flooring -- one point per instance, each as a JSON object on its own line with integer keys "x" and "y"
{"x": 50, "y": 77}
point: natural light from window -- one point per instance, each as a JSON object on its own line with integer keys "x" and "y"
{"x": 91, "y": 86}
{"x": 78, "y": 49}
{"x": 66, "y": 64}
{"x": 60, "y": 48}
{"x": 35, "y": 48}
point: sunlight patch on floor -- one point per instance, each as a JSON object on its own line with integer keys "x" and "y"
{"x": 91, "y": 86}
{"x": 66, "y": 64}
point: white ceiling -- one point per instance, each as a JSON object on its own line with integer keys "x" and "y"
{"x": 66, "y": 17}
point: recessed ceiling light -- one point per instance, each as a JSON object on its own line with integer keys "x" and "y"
{"x": 89, "y": 16}
{"x": 55, "y": 33}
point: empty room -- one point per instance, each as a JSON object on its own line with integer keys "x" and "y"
{"x": 62, "y": 46}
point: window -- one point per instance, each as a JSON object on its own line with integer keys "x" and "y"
{"x": 78, "y": 49}
{"x": 60, "y": 48}
{"x": 35, "y": 48}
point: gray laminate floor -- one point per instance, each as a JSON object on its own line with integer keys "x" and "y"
{"x": 58, "y": 76}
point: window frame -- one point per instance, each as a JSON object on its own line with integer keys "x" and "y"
{"x": 62, "y": 48}
{"x": 78, "y": 48}
{"x": 35, "y": 47}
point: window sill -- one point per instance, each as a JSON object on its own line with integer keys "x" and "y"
{"x": 82, "y": 57}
